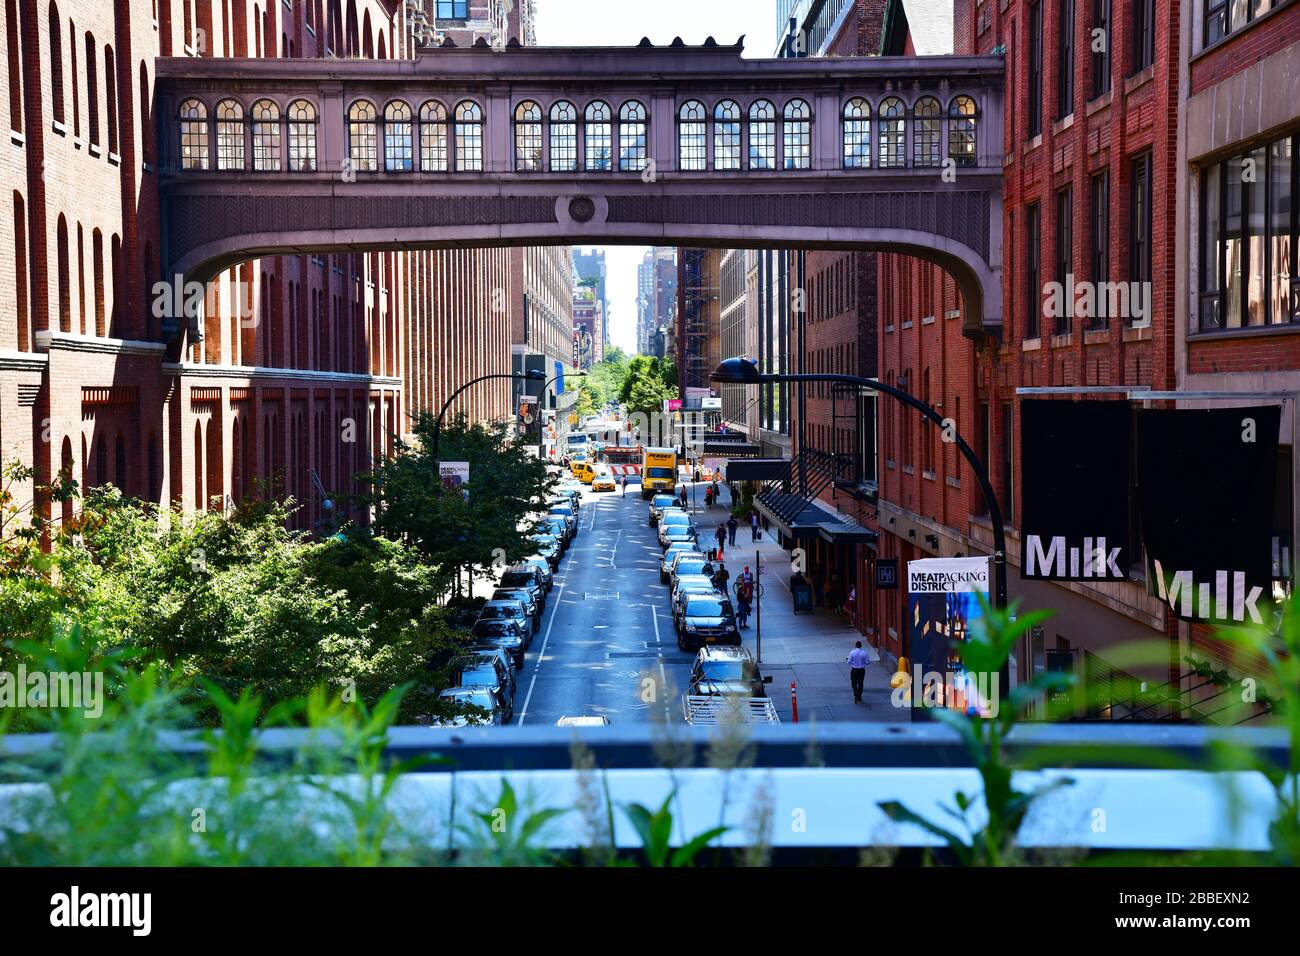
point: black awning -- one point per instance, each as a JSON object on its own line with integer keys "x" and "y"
{"x": 756, "y": 469}
{"x": 813, "y": 520}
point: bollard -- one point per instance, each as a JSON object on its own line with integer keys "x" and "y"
{"x": 794, "y": 702}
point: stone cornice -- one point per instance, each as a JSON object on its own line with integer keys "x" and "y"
{"x": 23, "y": 361}
{"x": 259, "y": 373}
{"x": 73, "y": 342}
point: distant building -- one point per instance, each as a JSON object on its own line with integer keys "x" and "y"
{"x": 590, "y": 267}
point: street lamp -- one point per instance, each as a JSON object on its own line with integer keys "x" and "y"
{"x": 744, "y": 371}
{"x": 533, "y": 375}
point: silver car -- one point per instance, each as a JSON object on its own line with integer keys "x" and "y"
{"x": 511, "y": 611}
{"x": 474, "y": 705}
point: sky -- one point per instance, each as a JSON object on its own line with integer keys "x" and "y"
{"x": 624, "y": 23}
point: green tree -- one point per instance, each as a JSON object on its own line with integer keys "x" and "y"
{"x": 489, "y": 525}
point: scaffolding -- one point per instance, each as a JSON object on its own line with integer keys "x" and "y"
{"x": 699, "y": 328}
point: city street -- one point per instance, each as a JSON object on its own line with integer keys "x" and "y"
{"x": 607, "y": 628}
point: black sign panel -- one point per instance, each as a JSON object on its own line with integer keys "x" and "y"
{"x": 1205, "y": 498}
{"x": 1075, "y": 465}
{"x": 887, "y": 574}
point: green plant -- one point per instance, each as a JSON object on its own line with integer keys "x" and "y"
{"x": 655, "y": 828}
{"x": 987, "y": 650}
{"x": 1276, "y": 650}
{"x": 505, "y": 834}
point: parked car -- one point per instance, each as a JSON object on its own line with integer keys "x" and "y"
{"x": 657, "y": 504}
{"x": 567, "y": 512}
{"x": 684, "y": 586}
{"x": 556, "y": 525}
{"x": 507, "y": 662}
{"x": 727, "y": 670}
{"x": 678, "y": 533}
{"x": 475, "y": 705}
{"x": 525, "y": 596}
{"x": 543, "y": 569}
{"x": 707, "y": 619}
{"x": 509, "y": 610}
{"x": 689, "y": 562}
{"x": 527, "y": 576}
{"x": 501, "y": 633}
{"x": 572, "y": 491}
{"x": 548, "y": 547}
{"x": 675, "y": 520}
{"x": 666, "y": 563}
{"x": 487, "y": 670}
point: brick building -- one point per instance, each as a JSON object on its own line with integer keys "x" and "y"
{"x": 1236, "y": 310}
{"x": 304, "y": 362}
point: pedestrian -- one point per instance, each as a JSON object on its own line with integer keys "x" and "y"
{"x": 708, "y": 497}
{"x": 622, "y": 480}
{"x": 682, "y": 496}
{"x": 732, "y": 525}
{"x": 851, "y": 605}
{"x": 721, "y": 577}
{"x": 753, "y": 525}
{"x": 697, "y": 475}
{"x": 744, "y": 599}
{"x": 858, "y": 661}
{"x": 721, "y": 537}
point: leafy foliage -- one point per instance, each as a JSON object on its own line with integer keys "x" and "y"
{"x": 489, "y": 524}
{"x": 993, "y": 637}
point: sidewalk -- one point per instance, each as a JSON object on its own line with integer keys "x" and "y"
{"x": 808, "y": 649}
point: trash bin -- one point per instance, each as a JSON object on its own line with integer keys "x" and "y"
{"x": 802, "y": 595}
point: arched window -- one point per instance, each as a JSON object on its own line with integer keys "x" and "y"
{"x": 925, "y": 132}
{"x": 56, "y": 62}
{"x": 692, "y": 136}
{"x": 598, "y": 132}
{"x": 631, "y": 136}
{"x": 265, "y": 118}
{"x": 564, "y": 137}
{"x": 893, "y": 133}
{"x": 469, "y": 136}
{"x": 762, "y": 135}
{"x": 797, "y": 135}
{"x": 399, "y": 144}
{"x": 433, "y": 137}
{"x": 726, "y": 135}
{"x": 193, "y": 117}
{"x": 92, "y": 89}
{"x": 528, "y": 137}
{"x": 64, "y": 278}
{"x": 110, "y": 98}
{"x": 302, "y": 136}
{"x": 230, "y": 135}
{"x": 962, "y": 116}
{"x": 363, "y": 137}
{"x": 857, "y": 134}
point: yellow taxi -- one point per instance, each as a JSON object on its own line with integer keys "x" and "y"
{"x": 602, "y": 480}
{"x": 584, "y": 471}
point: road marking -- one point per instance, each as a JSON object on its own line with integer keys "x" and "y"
{"x": 540, "y": 654}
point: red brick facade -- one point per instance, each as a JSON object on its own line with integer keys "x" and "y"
{"x": 322, "y": 366}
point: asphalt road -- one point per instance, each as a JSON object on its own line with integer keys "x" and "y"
{"x": 606, "y": 644}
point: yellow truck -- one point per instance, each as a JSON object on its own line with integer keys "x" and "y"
{"x": 658, "y": 472}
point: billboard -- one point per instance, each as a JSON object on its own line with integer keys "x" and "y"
{"x": 1077, "y": 475}
{"x": 1206, "y": 482}
{"x": 942, "y": 605}
{"x": 454, "y": 474}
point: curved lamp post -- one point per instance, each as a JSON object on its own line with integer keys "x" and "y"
{"x": 743, "y": 371}
{"x": 533, "y": 375}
